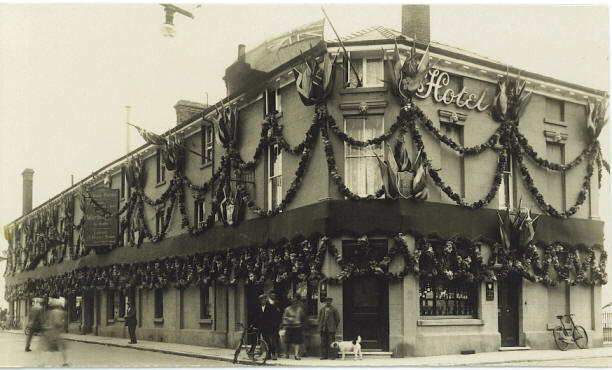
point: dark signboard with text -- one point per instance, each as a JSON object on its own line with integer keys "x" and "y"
{"x": 102, "y": 224}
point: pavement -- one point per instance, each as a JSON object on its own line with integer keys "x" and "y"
{"x": 477, "y": 359}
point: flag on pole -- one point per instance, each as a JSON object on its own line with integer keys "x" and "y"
{"x": 419, "y": 188}
{"x": 308, "y": 31}
{"x": 150, "y": 137}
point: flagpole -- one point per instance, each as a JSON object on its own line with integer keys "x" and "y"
{"x": 359, "y": 84}
{"x": 127, "y": 129}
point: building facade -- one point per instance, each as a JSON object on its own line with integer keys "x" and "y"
{"x": 443, "y": 207}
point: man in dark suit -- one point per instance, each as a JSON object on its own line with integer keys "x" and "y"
{"x": 329, "y": 319}
{"x": 131, "y": 322}
{"x": 267, "y": 321}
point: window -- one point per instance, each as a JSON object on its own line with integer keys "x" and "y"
{"x": 159, "y": 221}
{"x": 110, "y": 305}
{"x": 207, "y": 144}
{"x": 445, "y": 298}
{"x": 453, "y": 170}
{"x": 555, "y": 110}
{"x": 506, "y": 188}
{"x": 159, "y": 304}
{"x": 272, "y": 101}
{"x": 200, "y": 210}
{"x": 369, "y": 69}
{"x": 362, "y": 174}
{"x": 161, "y": 167}
{"x": 205, "y": 302}
{"x": 555, "y": 152}
{"x": 121, "y": 303}
{"x": 309, "y": 293}
{"x": 275, "y": 176}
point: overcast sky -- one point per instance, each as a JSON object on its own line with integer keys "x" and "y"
{"x": 67, "y": 71}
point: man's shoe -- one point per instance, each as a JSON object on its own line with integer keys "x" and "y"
{"x": 28, "y": 350}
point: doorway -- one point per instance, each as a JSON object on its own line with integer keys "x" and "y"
{"x": 507, "y": 311}
{"x": 88, "y": 312}
{"x": 366, "y": 311}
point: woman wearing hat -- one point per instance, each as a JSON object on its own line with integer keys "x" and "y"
{"x": 294, "y": 318}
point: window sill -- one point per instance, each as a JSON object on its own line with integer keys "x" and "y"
{"x": 158, "y": 320}
{"x": 450, "y": 322}
{"x": 206, "y": 165}
{"x": 555, "y": 122}
{"x": 120, "y": 320}
{"x": 205, "y": 321}
{"x": 160, "y": 184}
{"x": 110, "y": 321}
{"x": 357, "y": 90}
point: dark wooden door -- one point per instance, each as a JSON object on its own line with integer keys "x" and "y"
{"x": 507, "y": 311}
{"x": 366, "y": 311}
{"x": 88, "y": 312}
{"x": 252, "y": 293}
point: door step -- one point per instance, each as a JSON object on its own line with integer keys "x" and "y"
{"x": 507, "y": 349}
{"x": 368, "y": 353}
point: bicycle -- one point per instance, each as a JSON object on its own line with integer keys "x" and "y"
{"x": 260, "y": 351}
{"x": 563, "y": 337}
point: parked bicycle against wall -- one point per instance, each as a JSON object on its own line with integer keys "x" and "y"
{"x": 575, "y": 334}
{"x": 257, "y": 353}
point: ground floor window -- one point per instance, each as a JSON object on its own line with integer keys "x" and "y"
{"x": 110, "y": 305}
{"x": 74, "y": 307}
{"x": 205, "y": 302}
{"x": 309, "y": 294}
{"x": 159, "y": 303}
{"x": 446, "y": 298}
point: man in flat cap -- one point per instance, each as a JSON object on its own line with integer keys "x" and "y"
{"x": 329, "y": 319}
{"x": 266, "y": 322}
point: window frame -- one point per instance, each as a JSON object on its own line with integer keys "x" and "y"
{"x": 507, "y": 176}
{"x": 277, "y": 101}
{"x": 161, "y": 168}
{"x": 199, "y": 213}
{"x": 471, "y": 301}
{"x": 347, "y": 146}
{"x": 363, "y": 57}
{"x": 207, "y": 315}
{"x": 110, "y": 305}
{"x": 159, "y": 220}
{"x": 271, "y": 179}
{"x": 207, "y": 144}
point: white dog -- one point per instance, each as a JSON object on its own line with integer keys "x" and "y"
{"x": 349, "y": 346}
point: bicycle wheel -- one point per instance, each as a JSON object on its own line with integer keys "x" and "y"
{"x": 560, "y": 338}
{"x": 580, "y": 337}
{"x": 261, "y": 352}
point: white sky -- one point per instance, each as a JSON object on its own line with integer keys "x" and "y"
{"x": 68, "y": 70}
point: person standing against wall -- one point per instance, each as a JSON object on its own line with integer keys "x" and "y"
{"x": 131, "y": 321}
{"x": 329, "y": 319}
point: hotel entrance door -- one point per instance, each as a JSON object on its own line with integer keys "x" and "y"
{"x": 507, "y": 311}
{"x": 366, "y": 311}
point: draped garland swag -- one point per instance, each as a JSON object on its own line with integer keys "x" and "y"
{"x": 46, "y": 238}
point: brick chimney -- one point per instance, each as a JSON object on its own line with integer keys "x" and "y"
{"x": 241, "y": 53}
{"x": 415, "y": 21}
{"x": 186, "y": 109}
{"x": 28, "y": 176}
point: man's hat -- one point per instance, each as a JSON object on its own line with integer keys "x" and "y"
{"x": 262, "y": 296}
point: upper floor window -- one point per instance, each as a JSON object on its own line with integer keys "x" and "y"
{"x": 275, "y": 176}
{"x": 158, "y": 312}
{"x": 200, "y": 210}
{"x": 272, "y": 101}
{"x": 369, "y": 68}
{"x": 207, "y": 144}
{"x": 555, "y": 152}
{"x": 161, "y": 167}
{"x": 159, "y": 221}
{"x": 362, "y": 174}
{"x": 555, "y": 110}
{"x": 447, "y": 298}
{"x": 453, "y": 168}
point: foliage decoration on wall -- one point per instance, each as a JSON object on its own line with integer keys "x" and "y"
{"x": 406, "y": 77}
{"x": 510, "y": 99}
{"x": 597, "y": 117}
{"x": 315, "y": 82}
{"x": 302, "y": 258}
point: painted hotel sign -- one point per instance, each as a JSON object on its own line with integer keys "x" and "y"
{"x": 436, "y": 87}
{"x": 101, "y": 229}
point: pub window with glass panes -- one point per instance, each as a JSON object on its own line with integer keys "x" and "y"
{"x": 309, "y": 295}
{"x": 275, "y": 176}
{"x": 110, "y": 305}
{"x": 362, "y": 174}
{"x": 447, "y": 298}
{"x": 207, "y": 138}
{"x": 370, "y": 69}
{"x": 158, "y": 312}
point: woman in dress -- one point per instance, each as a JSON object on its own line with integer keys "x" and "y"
{"x": 293, "y": 322}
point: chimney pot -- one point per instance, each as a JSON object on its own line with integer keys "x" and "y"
{"x": 241, "y": 53}
{"x": 28, "y": 176}
{"x": 415, "y": 22}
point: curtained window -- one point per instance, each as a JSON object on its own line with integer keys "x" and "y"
{"x": 362, "y": 174}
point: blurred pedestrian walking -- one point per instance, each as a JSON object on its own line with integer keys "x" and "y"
{"x": 35, "y": 323}
{"x": 53, "y": 329}
{"x": 294, "y": 319}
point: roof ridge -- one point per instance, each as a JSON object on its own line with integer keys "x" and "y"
{"x": 359, "y": 33}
